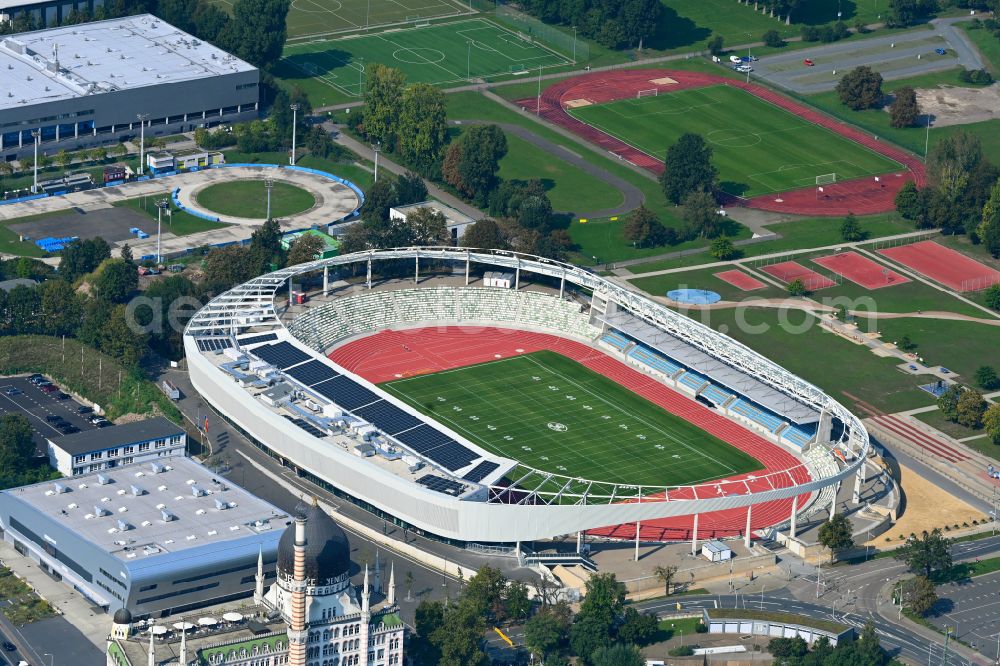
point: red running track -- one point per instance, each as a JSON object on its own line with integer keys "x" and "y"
{"x": 740, "y": 280}
{"x": 392, "y": 354}
{"x": 787, "y": 271}
{"x": 942, "y": 264}
{"x": 862, "y": 196}
{"x": 861, "y": 270}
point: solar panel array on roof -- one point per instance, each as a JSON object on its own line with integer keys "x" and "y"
{"x": 346, "y": 392}
{"x": 281, "y": 355}
{"x": 437, "y": 446}
{"x": 257, "y": 339}
{"x": 214, "y": 344}
{"x": 312, "y": 372}
{"x": 441, "y": 485}
{"x": 481, "y": 471}
{"x": 387, "y": 417}
{"x": 309, "y": 427}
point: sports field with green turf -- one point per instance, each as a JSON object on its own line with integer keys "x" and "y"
{"x": 554, "y": 414}
{"x": 440, "y": 54}
{"x": 757, "y": 147}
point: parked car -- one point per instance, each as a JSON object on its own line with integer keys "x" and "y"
{"x": 7, "y": 645}
{"x": 734, "y": 59}
{"x": 52, "y": 418}
{"x": 940, "y": 52}
{"x": 35, "y": 378}
{"x": 746, "y": 69}
{"x": 61, "y": 395}
{"x": 49, "y": 389}
{"x": 13, "y": 390}
{"x": 83, "y": 409}
{"x": 104, "y": 424}
{"x": 808, "y": 62}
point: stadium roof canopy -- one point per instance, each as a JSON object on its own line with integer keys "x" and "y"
{"x": 105, "y": 56}
{"x": 720, "y": 372}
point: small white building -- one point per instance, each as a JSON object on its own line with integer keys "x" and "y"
{"x": 106, "y": 448}
{"x": 716, "y": 551}
{"x": 498, "y": 279}
{"x": 455, "y": 221}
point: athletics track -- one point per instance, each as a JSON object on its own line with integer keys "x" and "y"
{"x": 390, "y": 355}
{"x": 861, "y": 196}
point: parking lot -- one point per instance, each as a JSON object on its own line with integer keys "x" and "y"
{"x": 18, "y": 395}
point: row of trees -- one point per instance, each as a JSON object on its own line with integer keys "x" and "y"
{"x": 861, "y": 88}
{"x": 18, "y": 464}
{"x": 968, "y": 408}
{"x": 611, "y": 23}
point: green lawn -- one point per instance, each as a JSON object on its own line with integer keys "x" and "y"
{"x": 178, "y": 222}
{"x": 569, "y": 188}
{"x": 440, "y": 54}
{"x": 795, "y": 234}
{"x": 906, "y": 297}
{"x": 988, "y": 45}
{"x": 659, "y": 285}
{"x": 354, "y": 172}
{"x": 554, "y": 414}
{"x": 757, "y": 147}
{"x": 248, "y": 198}
{"x": 842, "y": 369}
{"x": 936, "y": 419}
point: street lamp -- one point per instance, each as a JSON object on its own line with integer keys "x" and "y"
{"x": 468, "y": 62}
{"x": 295, "y": 113}
{"x": 142, "y": 141}
{"x": 268, "y": 184}
{"x": 51, "y": 658}
{"x": 161, "y": 205}
{"x": 37, "y": 134}
{"x": 376, "y": 147}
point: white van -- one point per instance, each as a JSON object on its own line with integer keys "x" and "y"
{"x": 735, "y": 59}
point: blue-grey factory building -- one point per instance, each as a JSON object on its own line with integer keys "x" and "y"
{"x": 156, "y": 538}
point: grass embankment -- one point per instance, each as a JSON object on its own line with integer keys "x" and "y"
{"x": 22, "y": 605}
{"x": 248, "y": 199}
{"x": 87, "y": 372}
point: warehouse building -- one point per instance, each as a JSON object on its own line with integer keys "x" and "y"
{"x": 155, "y": 538}
{"x": 95, "y": 84}
{"x": 107, "y": 448}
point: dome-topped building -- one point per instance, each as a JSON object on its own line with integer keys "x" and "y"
{"x": 327, "y": 552}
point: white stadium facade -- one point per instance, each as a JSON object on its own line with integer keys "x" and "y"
{"x": 263, "y": 365}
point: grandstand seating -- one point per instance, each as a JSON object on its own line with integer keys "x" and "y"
{"x": 652, "y": 360}
{"x": 752, "y": 413}
{"x": 368, "y": 311}
{"x": 615, "y": 341}
{"x": 692, "y": 380}
{"x": 715, "y": 394}
{"x": 796, "y": 436}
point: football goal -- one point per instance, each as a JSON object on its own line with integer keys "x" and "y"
{"x": 826, "y": 179}
{"x": 652, "y": 92}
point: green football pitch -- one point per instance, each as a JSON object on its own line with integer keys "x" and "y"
{"x": 314, "y": 18}
{"x": 757, "y": 147}
{"x": 438, "y": 54}
{"x": 552, "y": 413}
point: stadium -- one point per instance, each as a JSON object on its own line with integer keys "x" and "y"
{"x": 485, "y": 396}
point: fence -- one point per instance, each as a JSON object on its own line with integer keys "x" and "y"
{"x": 896, "y": 242}
{"x": 533, "y": 29}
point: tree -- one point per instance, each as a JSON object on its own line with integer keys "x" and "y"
{"x": 773, "y": 39}
{"x": 209, "y": 21}
{"x": 992, "y": 297}
{"x": 989, "y": 228}
{"x": 17, "y": 448}
{"x": 63, "y": 159}
{"x": 483, "y": 234}
{"x": 426, "y": 227}
{"x": 919, "y": 594}
{"x": 459, "y": 636}
{"x": 642, "y": 227}
{"x": 256, "y": 33}
{"x": 991, "y": 422}
{"x": 797, "y": 288}
{"x": 860, "y": 88}
{"x": 701, "y": 215}
{"x": 851, "y": 230}
{"x": 476, "y": 161}
{"x": 617, "y": 655}
{"x": 423, "y": 124}
{"x": 306, "y": 247}
{"x": 904, "y": 110}
{"x": 788, "y": 648}
{"x": 83, "y": 256}
{"x": 907, "y": 12}
{"x": 955, "y": 155}
{"x": 60, "y": 307}
{"x": 722, "y": 248}
{"x": 589, "y": 633}
{"x": 485, "y": 591}
{"x": 947, "y": 402}
{"x": 637, "y": 628}
{"x": 118, "y": 339}
{"x": 410, "y": 188}
{"x": 265, "y": 244}
{"x": 716, "y": 45}
{"x": 970, "y": 408}
{"x": 179, "y": 13}
{"x": 119, "y": 150}
{"x": 688, "y": 168}
{"x": 98, "y": 154}
{"x": 544, "y": 632}
{"x": 908, "y": 201}
{"x": 383, "y": 101}
{"x": 115, "y": 280}
{"x": 835, "y": 534}
{"x": 986, "y": 377}
{"x": 666, "y": 576}
{"x": 516, "y": 602}
{"x": 231, "y": 265}
{"x": 927, "y": 554}
{"x": 428, "y": 618}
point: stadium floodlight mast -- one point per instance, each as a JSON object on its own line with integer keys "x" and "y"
{"x": 37, "y": 135}
{"x": 268, "y": 184}
{"x": 295, "y": 116}
{"x": 142, "y": 141}
{"x": 376, "y": 147}
{"x": 161, "y": 205}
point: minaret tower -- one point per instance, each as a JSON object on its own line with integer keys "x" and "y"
{"x": 366, "y": 619}
{"x": 390, "y": 597}
{"x": 258, "y": 592}
{"x": 297, "y": 633}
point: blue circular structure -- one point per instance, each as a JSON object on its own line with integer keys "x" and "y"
{"x": 694, "y": 296}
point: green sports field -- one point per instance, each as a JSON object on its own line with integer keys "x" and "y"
{"x": 440, "y": 54}
{"x": 554, "y": 414}
{"x": 757, "y": 147}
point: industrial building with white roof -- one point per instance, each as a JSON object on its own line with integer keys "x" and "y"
{"x": 155, "y": 538}
{"x": 87, "y": 85}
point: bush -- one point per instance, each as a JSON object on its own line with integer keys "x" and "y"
{"x": 715, "y": 45}
{"x": 682, "y": 651}
{"x": 810, "y": 33}
{"x": 773, "y": 39}
{"x": 701, "y": 628}
{"x": 976, "y": 77}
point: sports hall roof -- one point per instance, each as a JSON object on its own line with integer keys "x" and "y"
{"x": 105, "y": 56}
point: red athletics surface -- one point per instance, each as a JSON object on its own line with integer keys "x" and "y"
{"x": 393, "y": 354}
{"x": 740, "y": 280}
{"x": 787, "y": 271}
{"x": 862, "y": 270}
{"x": 862, "y": 196}
{"x": 950, "y": 268}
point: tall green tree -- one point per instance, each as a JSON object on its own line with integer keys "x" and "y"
{"x": 701, "y": 215}
{"x": 428, "y": 619}
{"x": 179, "y": 13}
{"x": 265, "y": 245}
{"x": 908, "y": 201}
{"x": 991, "y": 422}
{"x": 546, "y": 631}
{"x": 256, "y": 33}
{"x": 115, "y": 280}
{"x": 927, "y": 554}
{"x": 970, "y": 408}
{"x": 83, "y": 256}
{"x": 904, "y": 110}
{"x": 383, "y": 102}
{"x": 460, "y": 636}
{"x": 306, "y": 247}
{"x": 919, "y": 594}
{"x": 947, "y": 402}
{"x": 484, "y": 234}
{"x": 16, "y": 446}
{"x": 955, "y": 156}
{"x": 23, "y": 306}
{"x": 118, "y": 339}
{"x": 618, "y": 654}
{"x": 475, "y": 161}
{"x": 850, "y": 229}
{"x": 666, "y": 575}
{"x": 60, "y": 307}
{"x": 989, "y": 228}
{"x": 836, "y": 535}
{"x": 986, "y": 377}
{"x": 688, "y": 168}
{"x": 643, "y": 228}
{"x": 422, "y": 128}
{"x": 860, "y": 88}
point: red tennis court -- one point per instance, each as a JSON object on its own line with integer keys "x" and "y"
{"x": 740, "y": 280}
{"x": 950, "y": 268}
{"x": 862, "y": 270}
{"x": 789, "y": 271}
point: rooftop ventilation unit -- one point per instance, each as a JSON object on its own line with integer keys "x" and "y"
{"x": 124, "y": 525}
{"x": 156, "y": 467}
{"x": 137, "y": 490}
{"x": 197, "y": 492}
{"x": 221, "y": 505}
{"x": 167, "y": 516}
{"x": 101, "y": 511}
{"x": 59, "y": 488}
{"x": 103, "y": 480}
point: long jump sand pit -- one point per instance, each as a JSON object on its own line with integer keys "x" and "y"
{"x": 664, "y": 81}
{"x": 927, "y": 507}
